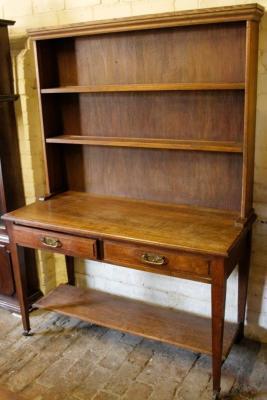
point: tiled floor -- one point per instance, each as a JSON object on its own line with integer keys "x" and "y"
{"x": 70, "y": 360}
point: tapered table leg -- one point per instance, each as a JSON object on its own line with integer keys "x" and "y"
{"x": 243, "y": 274}
{"x": 218, "y": 295}
{"x": 20, "y": 282}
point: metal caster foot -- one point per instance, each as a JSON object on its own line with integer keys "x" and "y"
{"x": 27, "y": 333}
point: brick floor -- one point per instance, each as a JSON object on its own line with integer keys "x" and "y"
{"x": 70, "y": 360}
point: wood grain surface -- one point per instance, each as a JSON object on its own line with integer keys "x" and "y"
{"x": 179, "y": 227}
{"x": 8, "y": 395}
{"x": 169, "y": 144}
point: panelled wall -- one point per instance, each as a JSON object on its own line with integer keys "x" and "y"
{"x": 158, "y": 289}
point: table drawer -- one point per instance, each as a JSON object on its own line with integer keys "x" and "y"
{"x": 57, "y": 242}
{"x": 167, "y": 262}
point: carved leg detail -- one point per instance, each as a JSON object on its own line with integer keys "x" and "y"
{"x": 218, "y": 290}
{"x": 243, "y": 274}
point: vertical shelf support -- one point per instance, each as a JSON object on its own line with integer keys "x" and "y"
{"x": 252, "y": 34}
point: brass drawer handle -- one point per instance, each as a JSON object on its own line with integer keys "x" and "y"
{"x": 150, "y": 258}
{"x": 51, "y": 242}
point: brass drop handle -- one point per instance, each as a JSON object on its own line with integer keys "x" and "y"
{"x": 154, "y": 259}
{"x": 51, "y": 242}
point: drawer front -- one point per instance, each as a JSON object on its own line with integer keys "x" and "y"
{"x": 56, "y": 242}
{"x": 166, "y": 262}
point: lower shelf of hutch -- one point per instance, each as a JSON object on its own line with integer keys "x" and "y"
{"x": 179, "y": 328}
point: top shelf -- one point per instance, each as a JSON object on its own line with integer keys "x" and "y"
{"x": 147, "y": 87}
{"x": 244, "y": 12}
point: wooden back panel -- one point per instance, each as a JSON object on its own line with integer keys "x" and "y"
{"x": 209, "y": 53}
{"x": 204, "y": 179}
{"x": 203, "y": 115}
{"x": 179, "y": 177}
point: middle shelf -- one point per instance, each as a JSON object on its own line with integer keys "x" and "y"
{"x": 168, "y": 144}
{"x": 146, "y": 87}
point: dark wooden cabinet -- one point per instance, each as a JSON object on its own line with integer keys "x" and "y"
{"x": 7, "y": 286}
{"x": 11, "y": 186}
{"x": 148, "y": 131}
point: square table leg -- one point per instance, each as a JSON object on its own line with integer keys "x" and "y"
{"x": 243, "y": 275}
{"x": 218, "y": 295}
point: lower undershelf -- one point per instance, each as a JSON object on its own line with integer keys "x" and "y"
{"x": 179, "y": 328}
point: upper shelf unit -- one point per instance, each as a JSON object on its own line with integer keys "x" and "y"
{"x": 114, "y": 93}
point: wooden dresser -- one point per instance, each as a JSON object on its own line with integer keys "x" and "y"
{"x": 148, "y": 131}
{"x": 11, "y": 188}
